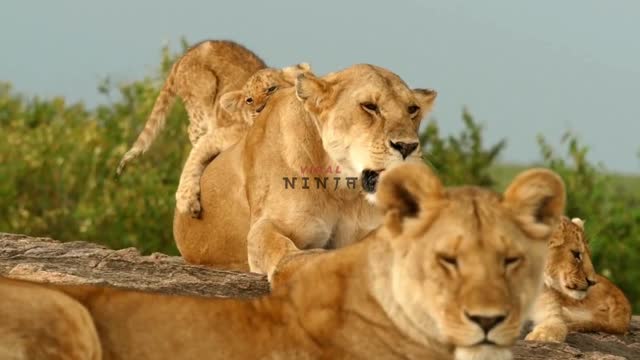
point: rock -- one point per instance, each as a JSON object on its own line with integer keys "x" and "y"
{"x": 76, "y": 262}
{"x": 47, "y": 260}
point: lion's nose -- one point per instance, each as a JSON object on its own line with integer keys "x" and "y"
{"x": 261, "y": 108}
{"x": 590, "y": 282}
{"x": 486, "y": 323}
{"x": 405, "y": 149}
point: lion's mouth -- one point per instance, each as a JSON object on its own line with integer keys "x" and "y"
{"x": 485, "y": 342}
{"x": 370, "y": 180}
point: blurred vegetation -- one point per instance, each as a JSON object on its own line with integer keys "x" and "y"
{"x": 58, "y": 161}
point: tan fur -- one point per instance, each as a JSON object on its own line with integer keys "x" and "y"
{"x": 260, "y": 86}
{"x": 252, "y": 98}
{"x": 250, "y": 221}
{"x": 575, "y": 298}
{"x": 199, "y": 77}
{"x": 394, "y": 295}
{"x": 41, "y": 323}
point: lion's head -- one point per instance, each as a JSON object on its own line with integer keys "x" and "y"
{"x": 467, "y": 263}
{"x": 569, "y": 269}
{"x": 253, "y": 97}
{"x": 368, "y": 118}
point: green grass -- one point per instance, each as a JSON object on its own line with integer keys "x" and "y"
{"x": 503, "y": 173}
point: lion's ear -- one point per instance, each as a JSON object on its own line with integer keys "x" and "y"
{"x": 537, "y": 198}
{"x": 405, "y": 190}
{"x": 578, "y": 222}
{"x": 290, "y": 73}
{"x": 231, "y": 101}
{"x": 311, "y": 91}
{"x": 425, "y": 98}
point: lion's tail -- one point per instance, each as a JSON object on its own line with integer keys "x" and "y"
{"x": 155, "y": 123}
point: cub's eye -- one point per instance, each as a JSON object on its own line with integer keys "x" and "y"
{"x": 370, "y": 107}
{"x": 272, "y": 89}
{"x": 447, "y": 260}
{"x": 249, "y": 100}
{"x": 512, "y": 261}
{"x": 413, "y": 109}
{"x": 577, "y": 255}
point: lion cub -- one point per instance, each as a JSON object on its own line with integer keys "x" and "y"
{"x": 449, "y": 275}
{"x": 575, "y": 298}
{"x": 243, "y": 106}
{"x": 200, "y": 77}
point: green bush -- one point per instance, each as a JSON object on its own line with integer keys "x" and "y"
{"x": 461, "y": 159}
{"x": 58, "y": 161}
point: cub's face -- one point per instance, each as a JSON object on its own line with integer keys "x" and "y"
{"x": 367, "y": 117}
{"x": 467, "y": 263}
{"x": 569, "y": 268}
{"x": 254, "y": 95}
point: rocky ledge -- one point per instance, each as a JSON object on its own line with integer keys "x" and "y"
{"x": 48, "y": 260}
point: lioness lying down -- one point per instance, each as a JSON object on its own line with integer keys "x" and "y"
{"x": 575, "y": 297}
{"x": 298, "y": 179}
{"x": 452, "y": 273}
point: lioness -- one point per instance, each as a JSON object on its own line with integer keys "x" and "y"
{"x": 451, "y": 274}
{"x": 575, "y": 298}
{"x": 259, "y": 198}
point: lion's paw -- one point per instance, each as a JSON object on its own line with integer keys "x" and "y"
{"x": 188, "y": 202}
{"x": 546, "y": 334}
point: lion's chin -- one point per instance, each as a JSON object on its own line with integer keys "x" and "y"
{"x": 482, "y": 352}
{"x": 371, "y": 198}
{"x": 576, "y": 294}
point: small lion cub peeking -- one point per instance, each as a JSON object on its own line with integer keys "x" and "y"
{"x": 575, "y": 298}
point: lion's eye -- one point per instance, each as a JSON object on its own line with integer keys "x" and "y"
{"x": 249, "y": 100}
{"x": 370, "y": 107}
{"x": 577, "y": 255}
{"x": 272, "y": 89}
{"x": 512, "y": 261}
{"x": 448, "y": 260}
{"x": 413, "y": 109}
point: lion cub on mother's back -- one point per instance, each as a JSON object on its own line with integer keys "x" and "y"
{"x": 201, "y": 77}
{"x": 243, "y": 106}
{"x": 575, "y": 298}
{"x": 450, "y": 274}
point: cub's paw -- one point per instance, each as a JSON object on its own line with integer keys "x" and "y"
{"x": 188, "y": 202}
{"x": 546, "y": 334}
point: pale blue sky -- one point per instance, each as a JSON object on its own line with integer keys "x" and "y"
{"x": 522, "y": 68}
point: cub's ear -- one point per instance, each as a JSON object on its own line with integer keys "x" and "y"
{"x": 312, "y": 92}
{"x": 425, "y": 98}
{"x": 407, "y": 190}
{"x": 537, "y": 198}
{"x": 232, "y": 101}
{"x": 290, "y": 73}
{"x": 578, "y": 222}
